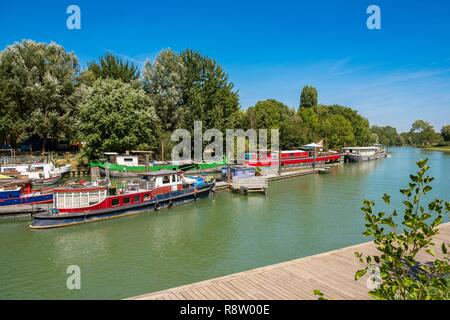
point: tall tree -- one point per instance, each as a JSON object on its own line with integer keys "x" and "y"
{"x": 113, "y": 67}
{"x": 359, "y": 124}
{"x": 445, "y": 132}
{"x": 208, "y": 95}
{"x": 37, "y": 82}
{"x": 308, "y": 97}
{"x": 423, "y": 132}
{"x": 163, "y": 81}
{"x": 117, "y": 117}
{"x": 387, "y": 135}
{"x": 272, "y": 114}
{"x": 268, "y": 114}
{"x": 337, "y": 131}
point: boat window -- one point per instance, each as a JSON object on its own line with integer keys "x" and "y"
{"x": 174, "y": 178}
{"x": 128, "y": 159}
{"x": 137, "y": 198}
{"x": 115, "y": 202}
{"x": 146, "y": 196}
{"x": 166, "y": 179}
{"x": 126, "y": 200}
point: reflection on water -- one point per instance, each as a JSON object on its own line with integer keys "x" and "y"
{"x": 226, "y": 234}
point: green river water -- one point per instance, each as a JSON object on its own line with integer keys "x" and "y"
{"x": 226, "y": 234}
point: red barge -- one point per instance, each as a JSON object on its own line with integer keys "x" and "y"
{"x": 156, "y": 190}
{"x": 290, "y": 158}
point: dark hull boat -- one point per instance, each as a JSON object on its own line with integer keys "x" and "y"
{"x": 159, "y": 190}
{"x": 16, "y": 197}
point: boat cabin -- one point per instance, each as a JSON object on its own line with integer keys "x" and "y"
{"x": 127, "y": 160}
{"x": 78, "y": 197}
{"x": 162, "y": 178}
{"x": 361, "y": 151}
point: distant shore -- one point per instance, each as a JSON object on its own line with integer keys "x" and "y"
{"x": 440, "y": 148}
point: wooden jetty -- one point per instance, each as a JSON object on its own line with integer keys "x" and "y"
{"x": 331, "y": 272}
{"x": 260, "y": 183}
{"x": 250, "y": 184}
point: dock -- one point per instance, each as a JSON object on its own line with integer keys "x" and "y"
{"x": 223, "y": 185}
{"x": 331, "y": 272}
{"x": 250, "y": 185}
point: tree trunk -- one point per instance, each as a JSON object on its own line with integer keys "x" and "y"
{"x": 44, "y": 143}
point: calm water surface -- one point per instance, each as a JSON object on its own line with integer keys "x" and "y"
{"x": 226, "y": 234}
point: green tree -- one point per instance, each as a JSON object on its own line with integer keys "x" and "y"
{"x": 117, "y": 117}
{"x": 445, "y": 132}
{"x": 272, "y": 114}
{"x": 110, "y": 66}
{"x": 37, "y": 85}
{"x": 268, "y": 114}
{"x": 208, "y": 95}
{"x": 360, "y": 125}
{"x": 423, "y": 133}
{"x": 308, "y": 97}
{"x": 293, "y": 133}
{"x": 163, "y": 81}
{"x": 402, "y": 276}
{"x": 310, "y": 120}
{"x": 387, "y": 135}
{"x": 337, "y": 131}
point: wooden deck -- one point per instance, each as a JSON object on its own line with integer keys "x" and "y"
{"x": 331, "y": 272}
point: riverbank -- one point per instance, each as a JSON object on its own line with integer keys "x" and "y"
{"x": 441, "y": 148}
{"x": 331, "y": 272}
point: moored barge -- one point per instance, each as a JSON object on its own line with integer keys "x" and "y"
{"x": 156, "y": 190}
{"x": 17, "y": 197}
{"x": 358, "y": 154}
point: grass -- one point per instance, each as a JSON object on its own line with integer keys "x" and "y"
{"x": 439, "y": 148}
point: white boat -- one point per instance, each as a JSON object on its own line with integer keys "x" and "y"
{"x": 357, "y": 154}
{"x": 38, "y": 173}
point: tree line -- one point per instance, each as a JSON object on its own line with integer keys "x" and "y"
{"x": 113, "y": 105}
{"x": 421, "y": 134}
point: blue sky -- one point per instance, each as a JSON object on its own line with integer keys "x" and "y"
{"x": 272, "y": 48}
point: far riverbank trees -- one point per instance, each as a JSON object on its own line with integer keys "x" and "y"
{"x": 112, "y": 105}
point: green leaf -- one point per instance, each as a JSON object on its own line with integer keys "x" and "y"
{"x": 444, "y": 248}
{"x": 360, "y": 273}
{"x": 387, "y": 199}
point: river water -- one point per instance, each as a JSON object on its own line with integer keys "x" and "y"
{"x": 226, "y": 234}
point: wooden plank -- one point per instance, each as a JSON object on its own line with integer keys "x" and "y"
{"x": 331, "y": 272}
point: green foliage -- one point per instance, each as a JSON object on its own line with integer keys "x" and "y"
{"x": 339, "y": 126}
{"x": 308, "y": 97}
{"x": 268, "y": 114}
{"x": 360, "y": 125}
{"x": 37, "y": 89}
{"x": 112, "y": 67}
{"x": 337, "y": 131}
{"x": 422, "y": 133}
{"x": 387, "y": 136}
{"x": 163, "y": 81}
{"x": 272, "y": 114}
{"x": 320, "y": 294}
{"x": 208, "y": 95}
{"x": 117, "y": 117}
{"x": 402, "y": 275}
{"x": 445, "y": 132}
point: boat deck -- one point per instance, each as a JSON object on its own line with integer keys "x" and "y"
{"x": 331, "y": 272}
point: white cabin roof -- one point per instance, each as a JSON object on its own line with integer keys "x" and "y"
{"x": 290, "y": 151}
{"x": 360, "y": 148}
